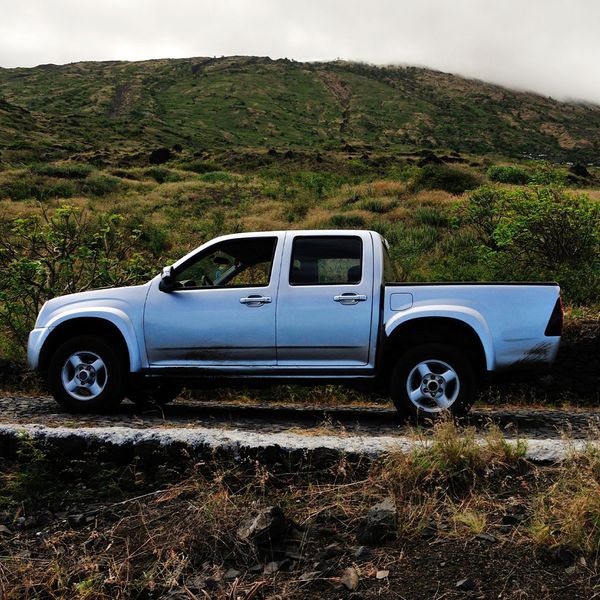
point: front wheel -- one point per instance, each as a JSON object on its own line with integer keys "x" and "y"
{"x": 432, "y": 379}
{"x": 87, "y": 375}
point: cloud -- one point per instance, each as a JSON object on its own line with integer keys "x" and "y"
{"x": 548, "y": 46}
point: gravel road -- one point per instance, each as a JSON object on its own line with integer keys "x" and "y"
{"x": 269, "y": 418}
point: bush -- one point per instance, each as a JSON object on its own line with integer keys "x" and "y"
{"x": 431, "y": 215}
{"x": 442, "y": 177}
{"x": 101, "y": 185}
{"x": 538, "y": 233}
{"x": 162, "y": 174}
{"x": 60, "y": 253}
{"x": 217, "y": 177}
{"x": 510, "y": 174}
{"x": 63, "y": 171}
{"x": 38, "y": 189}
{"x": 200, "y": 166}
{"x": 376, "y": 206}
{"x": 347, "y": 221}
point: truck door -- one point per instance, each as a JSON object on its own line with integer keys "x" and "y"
{"x": 222, "y": 311}
{"x": 325, "y": 300}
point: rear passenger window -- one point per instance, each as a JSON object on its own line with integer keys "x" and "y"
{"x": 326, "y": 260}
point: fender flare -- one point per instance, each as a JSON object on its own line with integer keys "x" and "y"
{"x": 464, "y": 314}
{"x": 113, "y": 315}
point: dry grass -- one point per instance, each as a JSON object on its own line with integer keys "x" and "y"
{"x": 567, "y": 513}
{"x": 181, "y": 538}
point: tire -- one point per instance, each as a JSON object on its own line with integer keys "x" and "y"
{"x": 431, "y": 380}
{"x": 87, "y": 375}
{"x": 161, "y": 394}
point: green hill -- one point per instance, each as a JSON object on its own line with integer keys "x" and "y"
{"x": 117, "y": 112}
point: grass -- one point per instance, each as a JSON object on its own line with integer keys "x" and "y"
{"x": 174, "y": 526}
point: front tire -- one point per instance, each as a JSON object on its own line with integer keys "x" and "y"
{"x": 87, "y": 375}
{"x": 431, "y": 380}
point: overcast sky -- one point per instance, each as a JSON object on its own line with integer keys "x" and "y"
{"x": 549, "y": 46}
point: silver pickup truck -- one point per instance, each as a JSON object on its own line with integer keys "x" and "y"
{"x": 296, "y": 306}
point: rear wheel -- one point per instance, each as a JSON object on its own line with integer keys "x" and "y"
{"x": 433, "y": 379}
{"x": 87, "y": 375}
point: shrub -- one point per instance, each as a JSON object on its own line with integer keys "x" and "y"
{"x": 509, "y": 174}
{"x": 376, "y": 206}
{"x": 217, "y": 177}
{"x": 63, "y": 252}
{"x": 200, "y": 166}
{"x": 431, "y": 215}
{"x": 63, "y": 171}
{"x": 538, "y": 233}
{"x": 162, "y": 174}
{"x": 38, "y": 189}
{"x": 101, "y": 185}
{"x": 347, "y": 221}
{"x": 442, "y": 177}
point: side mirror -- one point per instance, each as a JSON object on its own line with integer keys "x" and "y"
{"x": 167, "y": 280}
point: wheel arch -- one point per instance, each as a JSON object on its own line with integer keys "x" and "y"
{"x": 85, "y": 325}
{"x": 437, "y": 329}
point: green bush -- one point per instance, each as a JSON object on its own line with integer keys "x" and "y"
{"x": 200, "y": 166}
{"x": 540, "y": 232}
{"x": 375, "y": 205}
{"x": 36, "y": 188}
{"x": 347, "y": 221}
{"x": 546, "y": 174}
{"x": 217, "y": 177}
{"x": 63, "y": 171}
{"x": 162, "y": 175}
{"x": 431, "y": 215}
{"x": 510, "y": 174}
{"x": 62, "y": 252}
{"x": 101, "y": 185}
{"x": 443, "y": 177}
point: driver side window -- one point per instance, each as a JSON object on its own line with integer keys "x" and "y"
{"x": 232, "y": 263}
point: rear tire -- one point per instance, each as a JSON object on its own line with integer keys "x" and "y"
{"x": 432, "y": 380}
{"x": 87, "y": 375}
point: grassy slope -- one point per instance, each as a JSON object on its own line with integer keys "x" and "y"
{"x": 108, "y": 111}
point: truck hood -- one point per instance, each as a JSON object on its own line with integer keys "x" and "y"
{"x": 132, "y": 297}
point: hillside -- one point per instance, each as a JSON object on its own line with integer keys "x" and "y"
{"x": 116, "y": 112}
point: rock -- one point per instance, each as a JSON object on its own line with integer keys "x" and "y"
{"x": 232, "y": 573}
{"x": 159, "y": 156}
{"x": 579, "y": 170}
{"x": 565, "y": 556}
{"x": 486, "y": 537}
{"x": 382, "y": 574}
{"x": 309, "y": 576}
{"x": 363, "y": 553}
{"x": 265, "y": 528}
{"x": 329, "y": 552}
{"x": 4, "y": 530}
{"x": 76, "y": 520}
{"x": 465, "y": 585}
{"x": 271, "y": 567}
{"x": 380, "y": 524}
{"x": 570, "y": 570}
{"x": 512, "y": 519}
{"x": 349, "y": 579}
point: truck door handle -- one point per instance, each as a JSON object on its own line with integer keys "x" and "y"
{"x": 255, "y": 300}
{"x": 350, "y": 298}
